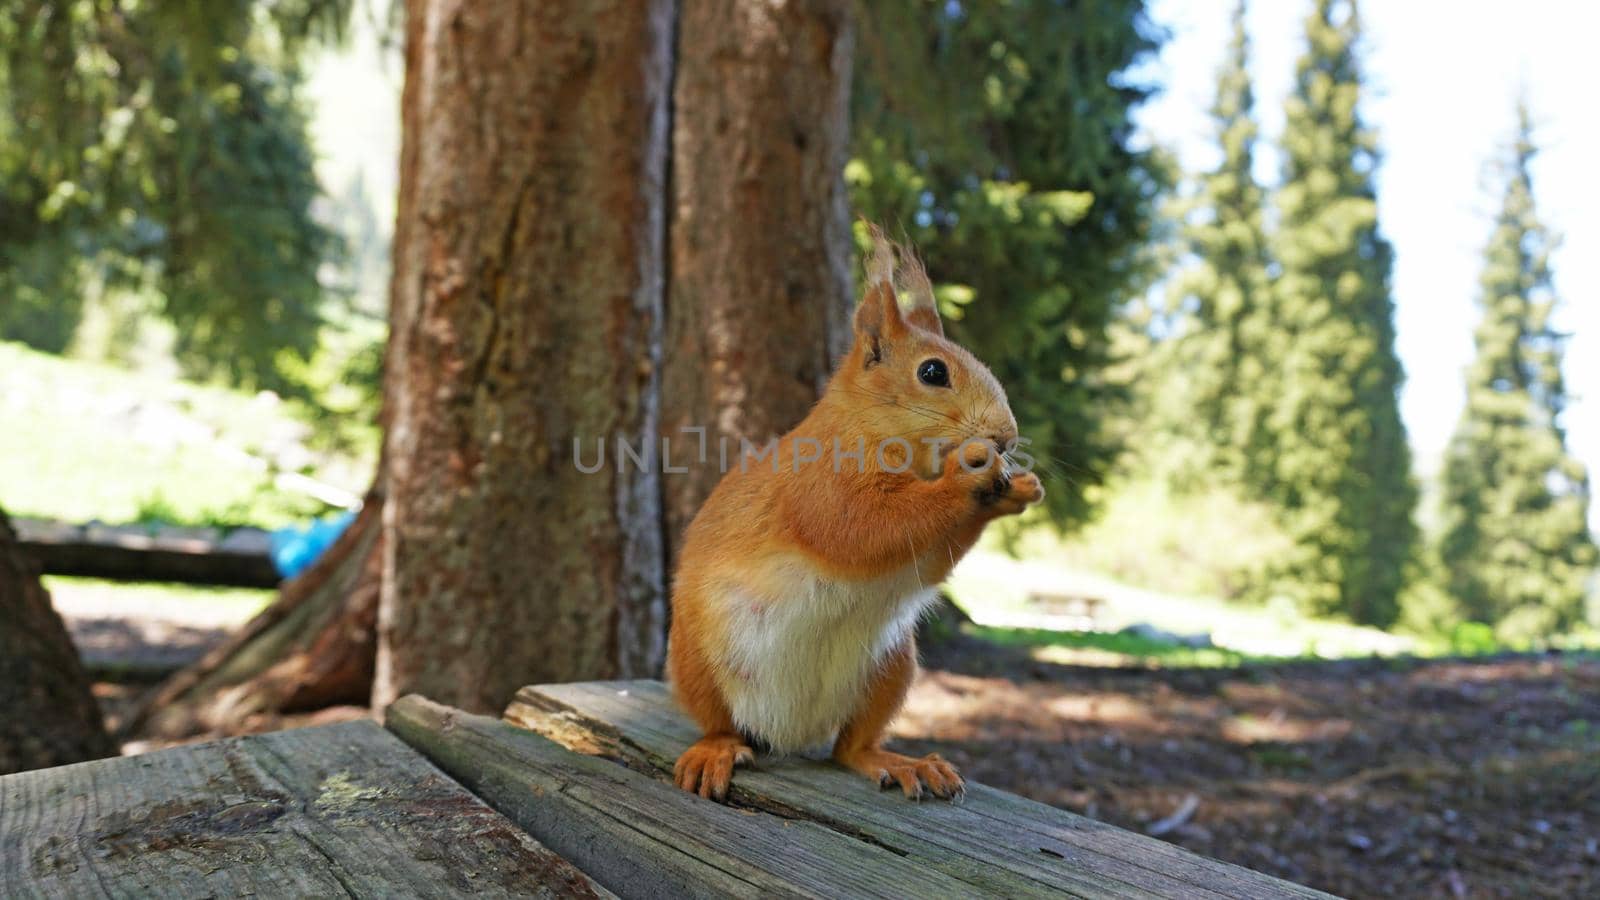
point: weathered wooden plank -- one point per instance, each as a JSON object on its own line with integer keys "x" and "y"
{"x": 945, "y": 837}
{"x": 641, "y": 837}
{"x": 995, "y": 841}
{"x": 340, "y": 810}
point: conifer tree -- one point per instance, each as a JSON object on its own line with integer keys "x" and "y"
{"x": 1516, "y": 545}
{"x": 1220, "y": 361}
{"x": 1340, "y": 466}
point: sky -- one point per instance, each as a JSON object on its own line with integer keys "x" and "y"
{"x": 1444, "y": 78}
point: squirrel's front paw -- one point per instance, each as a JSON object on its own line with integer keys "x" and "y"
{"x": 979, "y": 466}
{"x": 913, "y": 775}
{"x": 1005, "y": 493}
{"x": 1021, "y": 491}
{"x": 706, "y": 768}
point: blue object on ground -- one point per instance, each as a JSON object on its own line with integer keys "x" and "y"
{"x": 294, "y": 549}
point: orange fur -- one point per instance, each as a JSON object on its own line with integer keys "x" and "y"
{"x": 778, "y": 559}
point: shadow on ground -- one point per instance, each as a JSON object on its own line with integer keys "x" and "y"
{"x": 140, "y": 648}
{"x": 1369, "y": 778}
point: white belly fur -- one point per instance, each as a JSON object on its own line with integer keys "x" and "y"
{"x": 799, "y": 664}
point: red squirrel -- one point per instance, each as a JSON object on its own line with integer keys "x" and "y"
{"x": 802, "y": 577}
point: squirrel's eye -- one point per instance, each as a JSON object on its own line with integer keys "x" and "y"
{"x": 932, "y": 372}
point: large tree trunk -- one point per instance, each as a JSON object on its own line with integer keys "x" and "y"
{"x": 47, "y": 715}
{"x": 314, "y": 647}
{"x": 525, "y": 316}
{"x": 758, "y": 299}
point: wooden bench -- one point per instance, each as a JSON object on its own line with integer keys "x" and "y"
{"x": 567, "y": 796}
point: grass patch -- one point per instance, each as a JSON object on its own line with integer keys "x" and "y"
{"x": 85, "y": 441}
{"x": 991, "y": 587}
{"x": 1107, "y": 648}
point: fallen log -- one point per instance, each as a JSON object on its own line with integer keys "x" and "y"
{"x": 134, "y": 553}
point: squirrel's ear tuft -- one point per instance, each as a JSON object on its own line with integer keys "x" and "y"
{"x": 878, "y": 319}
{"x": 917, "y": 287}
{"x": 880, "y": 265}
{"x": 898, "y": 272}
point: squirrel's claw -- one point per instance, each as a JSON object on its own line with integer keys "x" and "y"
{"x": 941, "y": 777}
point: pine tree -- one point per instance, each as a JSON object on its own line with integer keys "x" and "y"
{"x": 1219, "y": 364}
{"x": 1516, "y": 546}
{"x": 1340, "y": 466}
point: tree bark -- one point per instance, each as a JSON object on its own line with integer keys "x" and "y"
{"x": 48, "y": 717}
{"x": 314, "y": 647}
{"x": 525, "y": 316}
{"x": 759, "y": 295}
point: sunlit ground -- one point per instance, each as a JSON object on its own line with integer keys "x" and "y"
{"x": 84, "y": 440}
{"x": 994, "y": 589}
{"x": 208, "y": 607}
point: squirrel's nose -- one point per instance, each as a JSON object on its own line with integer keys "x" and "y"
{"x": 1006, "y": 441}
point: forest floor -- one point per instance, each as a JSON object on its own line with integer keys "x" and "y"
{"x": 1366, "y": 778}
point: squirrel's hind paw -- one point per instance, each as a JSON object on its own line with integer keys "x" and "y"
{"x": 916, "y": 777}
{"x": 706, "y": 768}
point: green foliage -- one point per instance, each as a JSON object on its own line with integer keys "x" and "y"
{"x": 1211, "y": 542}
{"x": 43, "y": 298}
{"x": 262, "y": 503}
{"x": 162, "y": 146}
{"x": 344, "y": 378}
{"x": 1339, "y": 462}
{"x": 1516, "y": 543}
{"x": 1428, "y": 611}
{"x": 1473, "y": 639}
{"x": 998, "y": 137}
